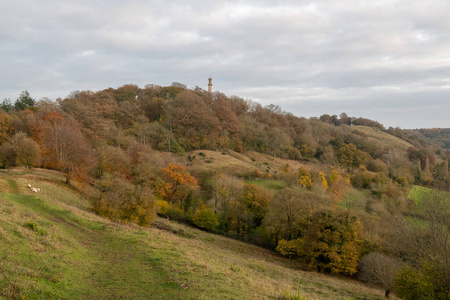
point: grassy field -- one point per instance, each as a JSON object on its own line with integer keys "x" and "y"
{"x": 420, "y": 194}
{"x": 271, "y": 185}
{"x": 206, "y": 161}
{"x": 52, "y": 247}
{"x": 383, "y": 139}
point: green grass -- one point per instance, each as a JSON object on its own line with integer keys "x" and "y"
{"x": 52, "y": 247}
{"x": 268, "y": 184}
{"x": 420, "y": 194}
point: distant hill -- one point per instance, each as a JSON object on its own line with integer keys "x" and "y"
{"x": 440, "y": 136}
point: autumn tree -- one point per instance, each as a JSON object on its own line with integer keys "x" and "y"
{"x": 204, "y": 217}
{"x": 176, "y": 184}
{"x": 153, "y": 134}
{"x": 193, "y": 121}
{"x": 227, "y": 191}
{"x": 380, "y": 269}
{"x": 113, "y": 160}
{"x": 228, "y": 121}
{"x": 28, "y": 153}
{"x": 290, "y": 212}
{"x": 331, "y": 243}
{"x": 247, "y": 212}
{"x": 323, "y": 180}
{"x": 304, "y": 178}
{"x": 64, "y": 146}
{"x": 6, "y": 127}
{"x": 350, "y": 156}
{"x": 255, "y": 200}
{"x": 120, "y": 200}
{"x": 7, "y": 155}
{"x": 95, "y": 112}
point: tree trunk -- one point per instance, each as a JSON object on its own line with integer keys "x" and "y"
{"x": 386, "y": 294}
{"x": 67, "y": 177}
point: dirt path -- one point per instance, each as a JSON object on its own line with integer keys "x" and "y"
{"x": 13, "y": 188}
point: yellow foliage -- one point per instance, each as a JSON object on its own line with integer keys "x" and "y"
{"x": 205, "y": 218}
{"x": 305, "y": 178}
{"x": 324, "y": 180}
{"x": 333, "y": 176}
{"x": 290, "y": 248}
{"x": 163, "y": 207}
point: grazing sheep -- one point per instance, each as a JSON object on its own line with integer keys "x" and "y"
{"x": 29, "y": 186}
{"x": 35, "y": 190}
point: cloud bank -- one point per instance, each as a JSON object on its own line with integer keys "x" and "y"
{"x": 381, "y": 59}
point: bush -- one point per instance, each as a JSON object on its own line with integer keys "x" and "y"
{"x": 33, "y": 226}
{"x": 411, "y": 284}
{"x": 290, "y": 248}
{"x": 205, "y": 218}
{"x": 379, "y": 269}
{"x": 163, "y": 207}
{"x": 118, "y": 200}
{"x": 175, "y": 213}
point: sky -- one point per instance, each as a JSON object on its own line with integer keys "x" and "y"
{"x": 384, "y": 60}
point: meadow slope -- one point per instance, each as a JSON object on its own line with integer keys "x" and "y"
{"x": 53, "y": 247}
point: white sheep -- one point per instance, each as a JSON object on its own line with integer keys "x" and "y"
{"x": 34, "y": 190}
{"x": 29, "y": 186}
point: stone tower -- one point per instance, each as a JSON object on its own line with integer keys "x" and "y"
{"x": 210, "y": 86}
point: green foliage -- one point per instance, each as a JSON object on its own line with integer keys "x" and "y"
{"x": 33, "y": 226}
{"x": 269, "y": 184}
{"x": 24, "y": 101}
{"x": 410, "y": 284}
{"x": 205, "y": 218}
{"x": 6, "y": 105}
{"x": 290, "y": 296}
{"x": 176, "y": 148}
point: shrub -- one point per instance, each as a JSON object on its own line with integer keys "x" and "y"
{"x": 380, "y": 269}
{"x": 411, "y": 284}
{"x": 205, "y": 218}
{"x": 33, "y": 226}
{"x": 290, "y": 248}
{"x": 163, "y": 207}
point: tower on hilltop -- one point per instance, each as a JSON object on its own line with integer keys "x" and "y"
{"x": 210, "y": 86}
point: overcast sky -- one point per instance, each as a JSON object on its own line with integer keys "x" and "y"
{"x": 384, "y": 60}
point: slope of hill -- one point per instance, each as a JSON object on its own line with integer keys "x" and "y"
{"x": 230, "y": 162}
{"x": 383, "y": 139}
{"x": 52, "y": 247}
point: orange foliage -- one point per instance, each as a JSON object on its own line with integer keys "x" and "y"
{"x": 176, "y": 185}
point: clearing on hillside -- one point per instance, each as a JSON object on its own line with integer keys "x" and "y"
{"x": 383, "y": 139}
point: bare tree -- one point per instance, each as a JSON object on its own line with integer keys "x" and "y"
{"x": 380, "y": 269}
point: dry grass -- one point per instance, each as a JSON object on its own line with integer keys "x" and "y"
{"x": 383, "y": 139}
{"x": 211, "y": 162}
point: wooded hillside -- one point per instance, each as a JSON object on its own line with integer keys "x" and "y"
{"x": 330, "y": 191}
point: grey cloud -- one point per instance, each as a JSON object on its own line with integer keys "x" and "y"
{"x": 379, "y": 58}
